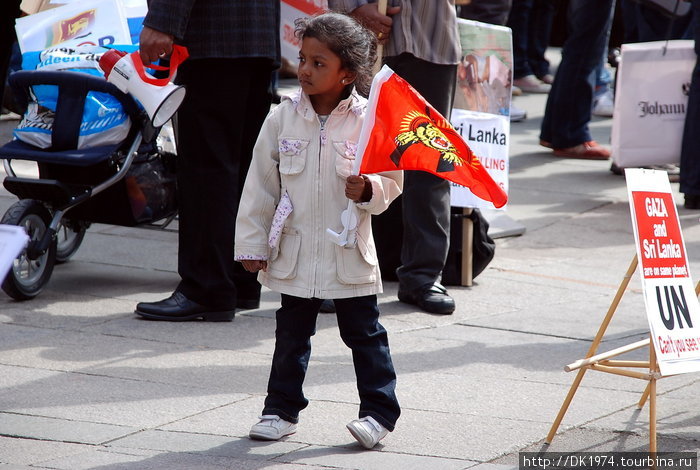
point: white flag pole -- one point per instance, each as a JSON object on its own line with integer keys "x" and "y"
{"x": 349, "y": 216}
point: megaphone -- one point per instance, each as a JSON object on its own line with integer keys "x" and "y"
{"x": 159, "y": 97}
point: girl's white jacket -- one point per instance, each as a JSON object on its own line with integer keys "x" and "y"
{"x": 293, "y": 154}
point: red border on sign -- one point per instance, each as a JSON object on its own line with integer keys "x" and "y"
{"x": 305, "y": 6}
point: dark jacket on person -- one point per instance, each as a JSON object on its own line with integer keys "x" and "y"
{"x": 220, "y": 28}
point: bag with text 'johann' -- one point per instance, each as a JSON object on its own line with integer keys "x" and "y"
{"x": 651, "y": 98}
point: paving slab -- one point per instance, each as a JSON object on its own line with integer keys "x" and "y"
{"x": 52, "y": 429}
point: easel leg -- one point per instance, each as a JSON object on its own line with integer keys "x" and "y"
{"x": 645, "y": 395}
{"x": 653, "y": 368}
{"x": 565, "y": 405}
{"x": 594, "y": 346}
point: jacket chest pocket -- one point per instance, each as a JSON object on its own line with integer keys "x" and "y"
{"x": 293, "y": 154}
{"x": 345, "y": 153}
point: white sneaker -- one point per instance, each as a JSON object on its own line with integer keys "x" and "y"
{"x": 604, "y": 104}
{"x": 367, "y": 431}
{"x": 531, "y": 84}
{"x": 271, "y": 428}
{"x": 517, "y": 114}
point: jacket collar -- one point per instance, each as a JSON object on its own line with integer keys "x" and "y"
{"x": 302, "y": 104}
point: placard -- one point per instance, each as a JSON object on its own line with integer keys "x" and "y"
{"x": 13, "y": 239}
{"x": 671, "y": 305}
{"x": 290, "y": 10}
{"x": 487, "y": 136}
{"x": 88, "y": 22}
{"x": 481, "y": 111}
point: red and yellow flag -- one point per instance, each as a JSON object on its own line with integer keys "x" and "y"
{"x": 403, "y": 132}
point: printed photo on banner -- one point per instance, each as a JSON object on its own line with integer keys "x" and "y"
{"x": 672, "y": 307}
{"x": 484, "y": 74}
{"x": 290, "y": 10}
{"x": 481, "y": 113}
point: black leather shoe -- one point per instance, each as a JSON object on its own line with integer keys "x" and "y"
{"x": 432, "y": 298}
{"x": 327, "y": 306}
{"x": 248, "y": 304}
{"x": 692, "y": 201}
{"x": 177, "y": 307}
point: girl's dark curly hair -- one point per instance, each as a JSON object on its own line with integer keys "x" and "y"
{"x": 348, "y": 39}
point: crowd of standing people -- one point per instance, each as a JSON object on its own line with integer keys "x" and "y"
{"x": 254, "y": 205}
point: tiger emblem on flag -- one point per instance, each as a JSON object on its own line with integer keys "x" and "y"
{"x": 419, "y": 128}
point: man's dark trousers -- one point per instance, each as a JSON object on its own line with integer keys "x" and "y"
{"x": 218, "y": 123}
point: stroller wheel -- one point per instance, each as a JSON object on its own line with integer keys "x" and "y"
{"x": 69, "y": 236}
{"x": 28, "y": 275}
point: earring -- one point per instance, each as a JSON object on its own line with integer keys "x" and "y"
{"x": 342, "y": 81}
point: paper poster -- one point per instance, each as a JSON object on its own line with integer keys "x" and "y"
{"x": 481, "y": 111}
{"x": 487, "y": 136}
{"x": 13, "y": 239}
{"x": 672, "y": 307}
{"x": 88, "y": 22}
{"x": 290, "y": 10}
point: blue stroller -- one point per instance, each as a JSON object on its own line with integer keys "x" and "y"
{"x": 130, "y": 183}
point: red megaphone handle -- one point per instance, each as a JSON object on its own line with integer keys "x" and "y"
{"x": 178, "y": 56}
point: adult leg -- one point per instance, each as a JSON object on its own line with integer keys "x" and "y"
{"x": 519, "y": 21}
{"x": 216, "y": 122}
{"x": 296, "y": 324}
{"x": 654, "y": 26}
{"x": 9, "y": 10}
{"x": 690, "y": 148}
{"x": 629, "y": 21}
{"x": 540, "y": 26}
{"x": 358, "y": 322}
{"x": 569, "y": 104}
{"x": 426, "y": 197}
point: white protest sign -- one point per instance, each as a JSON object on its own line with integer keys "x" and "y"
{"x": 672, "y": 307}
{"x": 13, "y": 239}
{"x": 481, "y": 112}
{"x": 487, "y": 136}
{"x": 88, "y": 22}
{"x": 290, "y": 10}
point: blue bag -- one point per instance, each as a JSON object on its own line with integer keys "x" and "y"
{"x": 104, "y": 121}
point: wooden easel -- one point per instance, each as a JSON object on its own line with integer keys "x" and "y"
{"x": 602, "y": 362}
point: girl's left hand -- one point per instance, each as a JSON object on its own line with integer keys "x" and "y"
{"x": 355, "y": 187}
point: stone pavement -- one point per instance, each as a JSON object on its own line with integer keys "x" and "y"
{"x": 84, "y": 384}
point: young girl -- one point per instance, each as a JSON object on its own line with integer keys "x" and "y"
{"x": 298, "y": 185}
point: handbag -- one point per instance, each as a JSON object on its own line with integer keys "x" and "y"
{"x": 651, "y": 97}
{"x": 669, "y": 8}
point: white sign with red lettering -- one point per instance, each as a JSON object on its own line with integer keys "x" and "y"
{"x": 290, "y": 10}
{"x": 671, "y": 304}
{"x": 487, "y": 135}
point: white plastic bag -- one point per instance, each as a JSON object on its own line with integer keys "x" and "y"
{"x": 651, "y": 98}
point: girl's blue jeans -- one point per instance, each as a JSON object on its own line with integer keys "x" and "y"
{"x": 360, "y": 330}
